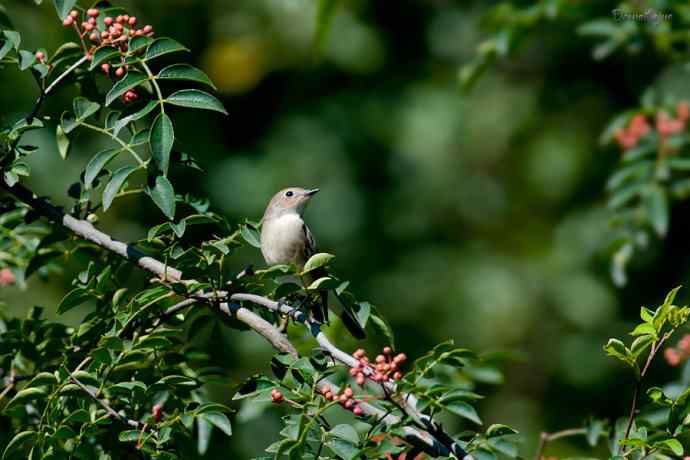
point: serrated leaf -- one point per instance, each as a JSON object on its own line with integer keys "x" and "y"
{"x": 129, "y": 81}
{"x": 96, "y": 165}
{"x": 161, "y": 46}
{"x": 115, "y": 184}
{"x": 84, "y": 108}
{"x": 196, "y": 99}
{"x": 139, "y": 114}
{"x": 161, "y": 138}
{"x": 103, "y": 54}
{"x": 185, "y": 72}
{"x": 318, "y": 260}
{"x": 163, "y": 195}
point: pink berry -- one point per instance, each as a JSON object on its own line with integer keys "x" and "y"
{"x": 93, "y": 36}
{"x": 40, "y": 55}
{"x": 119, "y": 18}
{"x": 105, "y": 68}
{"x": 119, "y": 72}
{"x": 74, "y": 14}
{"x": 92, "y": 12}
{"x": 68, "y": 21}
{"x": 348, "y": 392}
{"x": 157, "y": 411}
{"x": 348, "y": 404}
{"x": 108, "y": 21}
{"x": 359, "y": 353}
{"x": 92, "y": 21}
{"x": 147, "y": 29}
{"x": 360, "y": 379}
{"x": 387, "y": 350}
{"x": 354, "y": 371}
{"x": 132, "y": 21}
{"x": 397, "y": 376}
{"x": 328, "y": 396}
{"x": 357, "y": 411}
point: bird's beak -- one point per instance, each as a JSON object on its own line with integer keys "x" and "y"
{"x": 311, "y": 192}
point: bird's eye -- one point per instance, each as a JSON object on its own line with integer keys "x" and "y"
{"x": 289, "y": 193}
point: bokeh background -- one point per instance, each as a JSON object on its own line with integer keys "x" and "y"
{"x": 474, "y": 216}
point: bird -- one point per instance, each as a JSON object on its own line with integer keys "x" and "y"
{"x": 286, "y": 239}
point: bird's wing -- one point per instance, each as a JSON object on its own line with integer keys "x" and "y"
{"x": 310, "y": 246}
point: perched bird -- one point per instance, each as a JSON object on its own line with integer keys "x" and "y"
{"x": 286, "y": 239}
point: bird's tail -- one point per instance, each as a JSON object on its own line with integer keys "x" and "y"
{"x": 349, "y": 321}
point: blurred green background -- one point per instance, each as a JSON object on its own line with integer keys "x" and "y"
{"x": 473, "y": 216}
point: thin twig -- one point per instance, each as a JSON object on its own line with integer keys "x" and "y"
{"x": 545, "y": 438}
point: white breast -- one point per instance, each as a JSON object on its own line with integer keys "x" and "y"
{"x": 283, "y": 240}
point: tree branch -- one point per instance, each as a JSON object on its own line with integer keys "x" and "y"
{"x": 434, "y": 440}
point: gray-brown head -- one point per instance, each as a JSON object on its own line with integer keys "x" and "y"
{"x": 289, "y": 200}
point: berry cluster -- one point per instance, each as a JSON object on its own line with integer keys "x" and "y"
{"x": 276, "y": 396}
{"x": 385, "y": 367}
{"x": 665, "y": 125}
{"x": 116, "y": 33}
{"x": 345, "y": 397}
{"x": 676, "y": 355}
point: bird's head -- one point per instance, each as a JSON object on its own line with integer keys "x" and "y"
{"x": 289, "y": 200}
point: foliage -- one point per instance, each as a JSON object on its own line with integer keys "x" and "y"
{"x": 129, "y": 378}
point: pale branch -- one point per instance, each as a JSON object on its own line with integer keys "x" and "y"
{"x": 105, "y": 405}
{"x": 545, "y": 438}
{"x": 434, "y": 440}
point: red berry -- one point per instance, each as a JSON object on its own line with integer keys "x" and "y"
{"x": 92, "y": 12}
{"x": 40, "y": 55}
{"x": 387, "y": 350}
{"x": 360, "y": 379}
{"x": 354, "y": 371}
{"x": 119, "y": 18}
{"x": 401, "y": 358}
{"x": 147, "y": 29}
{"x": 348, "y": 392}
{"x": 328, "y": 396}
{"x": 397, "y": 376}
{"x": 7, "y": 278}
{"x": 132, "y": 21}
{"x": 357, "y": 411}
{"x": 380, "y": 359}
{"x": 68, "y": 21}
{"x": 105, "y": 68}
{"x": 120, "y": 71}
{"x": 359, "y": 353}
{"x": 93, "y": 36}
{"x": 348, "y": 404}
{"x": 108, "y": 21}
{"x": 92, "y": 21}
{"x": 157, "y": 411}
{"x": 74, "y": 14}
{"x": 105, "y": 35}
{"x": 125, "y": 18}
{"x": 87, "y": 27}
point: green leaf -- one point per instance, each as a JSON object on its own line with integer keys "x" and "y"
{"x": 27, "y": 394}
{"x": 670, "y": 444}
{"x": 13, "y": 37}
{"x": 131, "y": 80}
{"x": 324, "y": 283}
{"x": 5, "y": 48}
{"x": 96, "y": 165}
{"x": 161, "y": 139}
{"x": 345, "y": 432}
{"x": 462, "y": 409}
{"x": 63, "y": 7}
{"x": 204, "y": 429}
{"x": 499, "y": 430}
{"x": 163, "y": 195}
{"x": 137, "y": 43}
{"x": 103, "y": 54}
{"x": 18, "y": 440}
{"x": 62, "y": 142}
{"x": 161, "y": 46}
{"x": 219, "y": 420}
{"x": 41, "y": 379}
{"x": 196, "y": 99}
{"x": 73, "y": 298}
{"x": 129, "y": 436}
{"x": 115, "y": 184}
{"x": 184, "y": 72}
{"x": 657, "y": 207}
{"x": 317, "y": 261}
{"x": 324, "y": 17}
{"x": 84, "y": 108}
{"x": 643, "y": 329}
{"x": 211, "y": 407}
{"x": 26, "y": 59}
{"x": 139, "y": 114}
{"x": 251, "y": 235}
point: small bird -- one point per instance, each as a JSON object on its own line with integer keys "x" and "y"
{"x": 286, "y": 239}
